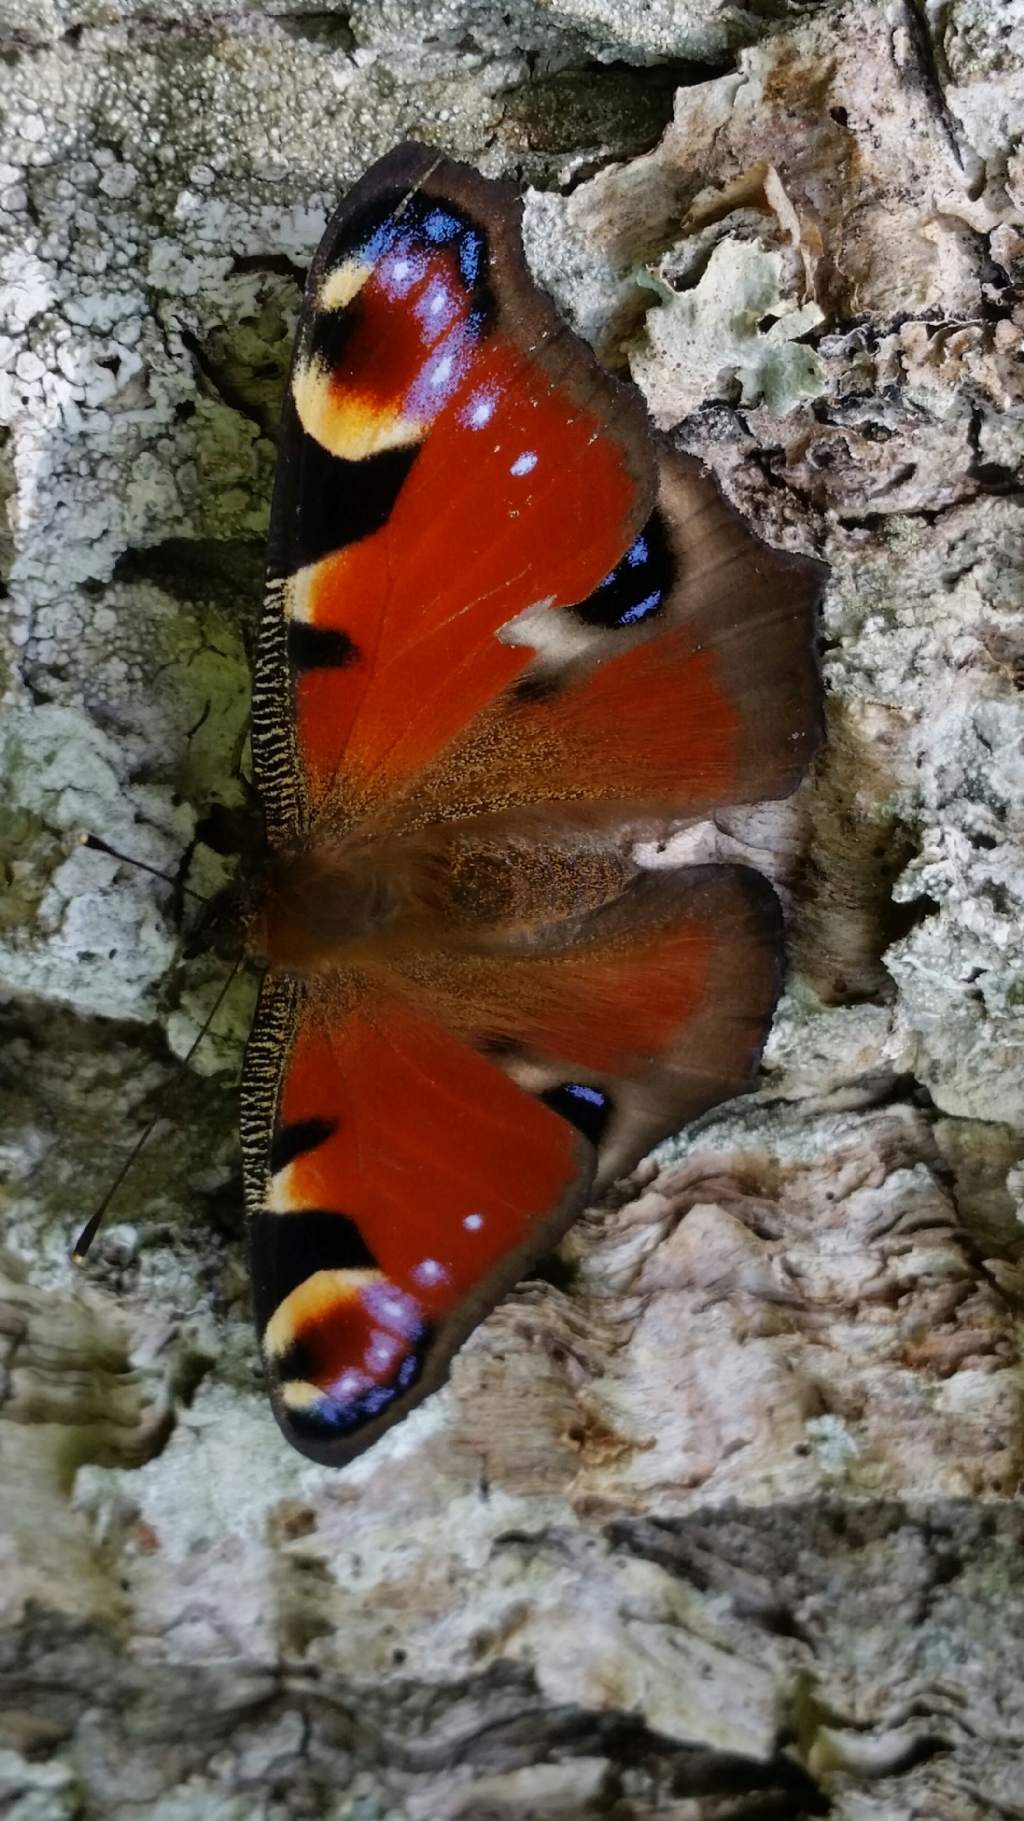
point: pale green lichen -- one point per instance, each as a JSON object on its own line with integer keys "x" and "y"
{"x": 735, "y": 332}
{"x": 835, "y": 1447}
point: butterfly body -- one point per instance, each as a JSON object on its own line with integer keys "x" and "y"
{"x": 506, "y": 631}
{"x": 329, "y": 907}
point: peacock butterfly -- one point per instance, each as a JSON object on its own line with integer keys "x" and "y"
{"x": 507, "y": 629}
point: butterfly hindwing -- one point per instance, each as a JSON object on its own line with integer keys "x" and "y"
{"x": 659, "y": 999}
{"x": 401, "y": 1178}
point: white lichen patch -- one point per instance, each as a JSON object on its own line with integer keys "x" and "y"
{"x": 96, "y": 938}
{"x": 936, "y": 620}
{"x": 734, "y": 335}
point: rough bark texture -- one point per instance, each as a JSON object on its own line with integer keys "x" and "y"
{"x": 717, "y": 1521}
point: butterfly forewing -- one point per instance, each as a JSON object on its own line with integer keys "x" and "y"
{"x": 450, "y": 457}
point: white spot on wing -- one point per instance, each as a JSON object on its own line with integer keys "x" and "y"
{"x": 393, "y": 1309}
{"x": 383, "y": 1351}
{"x": 348, "y": 1386}
{"x": 430, "y": 1271}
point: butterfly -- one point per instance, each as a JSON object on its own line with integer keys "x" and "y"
{"x": 507, "y": 630}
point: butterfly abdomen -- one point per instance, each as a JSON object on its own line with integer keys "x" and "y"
{"x": 343, "y": 902}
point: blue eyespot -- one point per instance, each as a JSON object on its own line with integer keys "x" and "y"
{"x": 479, "y": 409}
{"x": 585, "y": 1107}
{"x": 393, "y": 1309}
{"x": 400, "y": 269}
{"x": 441, "y": 374}
{"x": 437, "y": 309}
{"x": 372, "y": 1402}
{"x": 580, "y": 1092}
{"x": 470, "y": 256}
{"x": 641, "y": 582}
{"x": 642, "y": 609}
{"x": 440, "y": 227}
{"x": 380, "y": 242}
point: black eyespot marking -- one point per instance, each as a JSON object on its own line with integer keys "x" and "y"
{"x": 587, "y": 1108}
{"x": 319, "y": 647}
{"x": 288, "y": 1248}
{"x": 400, "y": 223}
{"x": 291, "y": 1141}
{"x": 329, "y": 334}
{"x": 639, "y": 585}
{"x": 330, "y": 1417}
{"x": 334, "y": 502}
{"x": 315, "y": 1423}
{"x": 296, "y": 1362}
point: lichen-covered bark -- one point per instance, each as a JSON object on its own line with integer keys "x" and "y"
{"x": 718, "y": 1520}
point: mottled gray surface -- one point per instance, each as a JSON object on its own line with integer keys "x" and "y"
{"x": 719, "y": 1521}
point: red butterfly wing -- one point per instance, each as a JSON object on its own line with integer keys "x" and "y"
{"x": 400, "y": 1181}
{"x": 685, "y": 682}
{"x": 633, "y": 1017}
{"x": 398, "y": 1184}
{"x": 440, "y": 435}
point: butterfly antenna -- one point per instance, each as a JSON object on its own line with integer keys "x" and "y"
{"x": 92, "y": 1225}
{"x": 104, "y": 847}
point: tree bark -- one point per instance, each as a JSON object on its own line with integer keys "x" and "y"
{"x": 717, "y": 1520}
